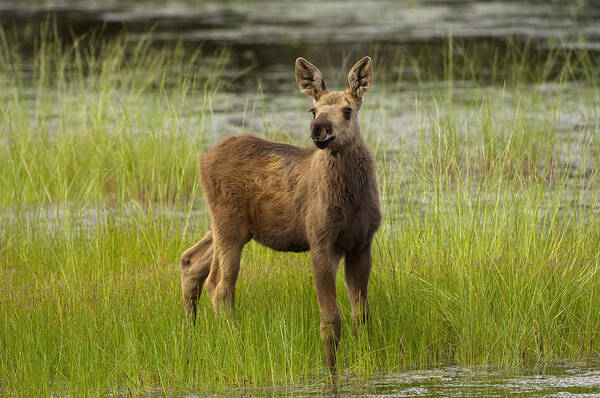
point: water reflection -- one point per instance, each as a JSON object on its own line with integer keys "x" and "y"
{"x": 564, "y": 380}
{"x": 327, "y": 21}
{"x": 271, "y": 33}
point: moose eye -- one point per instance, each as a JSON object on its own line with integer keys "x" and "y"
{"x": 347, "y": 113}
{"x": 312, "y": 110}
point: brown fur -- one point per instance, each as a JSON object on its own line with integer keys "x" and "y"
{"x": 293, "y": 199}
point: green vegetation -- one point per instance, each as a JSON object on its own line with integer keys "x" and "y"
{"x": 489, "y": 253}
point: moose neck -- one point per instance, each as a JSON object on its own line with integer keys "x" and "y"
{"x": 349, "y": 170}
{"x": 348, "y": 155}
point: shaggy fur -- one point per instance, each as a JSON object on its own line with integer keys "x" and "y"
{"x": 323, "y": 199}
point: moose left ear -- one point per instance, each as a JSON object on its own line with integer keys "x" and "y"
{"x": 360, "y": 77}
{"x": 309, "y": 79}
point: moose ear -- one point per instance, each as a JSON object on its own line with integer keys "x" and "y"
{"x": 360, "y": 77}
{"x": 309, "y": 79}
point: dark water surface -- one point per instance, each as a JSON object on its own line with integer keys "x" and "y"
{"x": 265, "y": 37}
{"x": 312, "y": 22}
{"x": 269, "y": 35}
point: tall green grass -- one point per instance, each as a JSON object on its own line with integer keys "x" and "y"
{"x": 489, "y": 251}
{"x": 92, "y": 121}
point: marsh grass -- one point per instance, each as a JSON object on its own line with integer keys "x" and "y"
{"x": 117, "y": 121}
{"x": 488, "y": 254}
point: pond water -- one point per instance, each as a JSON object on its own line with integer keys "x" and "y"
{"x": 265, "y": 37}
{"x": 268, "y": 35}
{"x": 560, "y": 380}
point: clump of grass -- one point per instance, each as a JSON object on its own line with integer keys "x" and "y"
{"x": 489, "y": 251}
{"x": 94, "y": 121}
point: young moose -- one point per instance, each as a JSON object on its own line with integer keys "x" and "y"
{"x": 323, "y": 199}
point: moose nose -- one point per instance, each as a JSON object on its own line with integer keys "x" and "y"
{"x": 319, "y": 130}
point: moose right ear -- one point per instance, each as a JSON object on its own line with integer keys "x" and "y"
{"x": 309, "y": 79}
{"x": 360, "y": 77}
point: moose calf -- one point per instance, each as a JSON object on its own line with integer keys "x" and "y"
{"x": 323, "y": 199}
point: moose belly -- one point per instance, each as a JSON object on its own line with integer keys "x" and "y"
{"x": 278, "y": 227}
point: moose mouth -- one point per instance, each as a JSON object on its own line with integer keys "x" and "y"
{"x": 324, "y": 143}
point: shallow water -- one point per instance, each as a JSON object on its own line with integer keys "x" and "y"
{"x": 564, "y": 380}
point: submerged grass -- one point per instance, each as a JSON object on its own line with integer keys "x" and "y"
{"x": 489, "y": 252}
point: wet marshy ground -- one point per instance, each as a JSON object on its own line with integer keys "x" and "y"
{"x": 470, "y": 88}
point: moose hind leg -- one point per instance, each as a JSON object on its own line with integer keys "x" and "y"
{"x": 220, "y": 285}
{"x": 195, "y": 266}
{"x": 358, "y": 269}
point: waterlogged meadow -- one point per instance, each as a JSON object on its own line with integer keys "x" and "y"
{"x": 488, "y": 255}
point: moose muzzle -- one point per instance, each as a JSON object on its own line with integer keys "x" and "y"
{"x": 321, "y": 133}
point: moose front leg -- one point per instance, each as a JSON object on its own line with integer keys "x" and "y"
{"x": 358, "y": 269}
{"x": 325, "y": 266}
